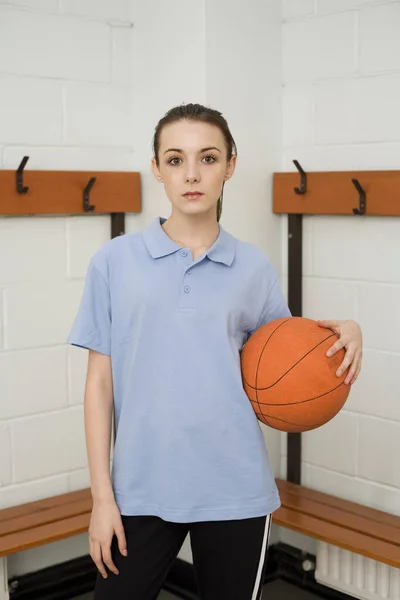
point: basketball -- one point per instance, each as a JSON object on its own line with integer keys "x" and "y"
{"x": 290, "y": 382}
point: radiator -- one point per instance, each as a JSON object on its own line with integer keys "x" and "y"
{"x": 356, "y": 575}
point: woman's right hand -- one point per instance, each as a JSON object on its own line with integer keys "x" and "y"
{"x": 105, "y": 521}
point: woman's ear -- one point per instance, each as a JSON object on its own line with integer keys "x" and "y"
{"x": 230, "y": 168}
{"x": 155, "y": 170}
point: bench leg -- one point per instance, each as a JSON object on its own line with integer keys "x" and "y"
{"x": 4, "y": 591}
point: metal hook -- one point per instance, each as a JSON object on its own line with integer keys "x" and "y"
{"x": 87, "y": 207}
{"x": 21, "y": 188}
{"x": 303, "y": 185}
{"x": 363, "y": 198}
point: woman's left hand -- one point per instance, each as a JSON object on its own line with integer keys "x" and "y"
{"x": 351, "y": 339}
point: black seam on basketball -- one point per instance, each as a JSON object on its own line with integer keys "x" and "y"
{"x": 263, "y": 419}
{"x": 261, "y": 353}
{"x": 288, "y": 371}
{"x": 315, "y": 425}
{"x": 290, "y": 422}
{"x": 302, "y": 401}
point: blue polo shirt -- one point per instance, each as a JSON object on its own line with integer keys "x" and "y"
{"x": 188, "y": 445}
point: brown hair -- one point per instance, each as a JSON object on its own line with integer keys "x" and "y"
{"x": 197, "y": 112}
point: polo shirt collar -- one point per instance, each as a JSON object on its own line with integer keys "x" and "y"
{"x": 159, "y": 244}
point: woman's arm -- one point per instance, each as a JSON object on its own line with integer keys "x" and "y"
{"x": 98, "y": 409}
{"x": 105, "y": 519}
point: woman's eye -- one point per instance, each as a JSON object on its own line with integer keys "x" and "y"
{"x": 176, "y": 161}
{"x": 171, "y": 161}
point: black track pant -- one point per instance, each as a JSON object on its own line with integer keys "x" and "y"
{"x": 229, "y": 558}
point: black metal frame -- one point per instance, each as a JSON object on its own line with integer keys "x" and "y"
{"x": 117, "y": 224}
{"x": 295, "y": 297}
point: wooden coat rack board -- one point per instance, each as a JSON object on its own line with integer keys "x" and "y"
{"x": 70, "y": 193}
{"x": 356, "y": 193}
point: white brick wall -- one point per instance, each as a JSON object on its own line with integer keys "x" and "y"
{"x": 66, "y": 80}
{"x": 341, "y": 97}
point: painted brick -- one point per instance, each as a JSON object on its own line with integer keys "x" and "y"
{"x": 26, "y": 242}
{"x": 2, "y": 320}
{"x": 375, "y": 156}
{"x": 297, "y": 8}
{"x": 79, "y": 480}
{"x": 379, "y": 451}
{"x": 376, "y": 391}
{"x": 87, "y": 58}
{"x": 321, "y": 447}
{"x": 298, "y": 108}
{"x": 33, "y": 490}
{"x": 320, "y": 158}
{"x": 85, "y": 236}
{"x": 88, "y": 105}
{"x": 41, "y": 314}
{"x": 379, "y": 40}
{"x": 43, "y": 385}
{"x": 349, "y": 111}
{"x": 6, "y": 455}
{"x": 34, "y": 437}
{"x": 378, "y": 310}
{"x": 31, "y": 111}
{"x": 355, "y": 489}
{"x": 329, "y": 6}
{"x": 49, "y": 5}
{"x": 319, "y": 48}
{"x": 327, "y": 299}
{"x": 356, "y": 257}
{"x": 122, "y": 55}
{"x": 71, "y": 158}
{"x": 118, "y": 10}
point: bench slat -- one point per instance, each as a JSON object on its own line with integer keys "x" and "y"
{"x": 38, "y": 536}
{"x": 331, "y": 514}
{"x": 338, "y": 536}
{"x": 43, "y": 517}
{"x": 372, "y": 514}
{"x": 38, "y": 506}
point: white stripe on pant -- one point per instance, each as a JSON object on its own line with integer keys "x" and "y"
{"x": 257, "y": 593}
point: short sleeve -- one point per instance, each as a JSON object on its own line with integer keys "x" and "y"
{"x": 274, "y": 307}
{"x": 92, "y": 325}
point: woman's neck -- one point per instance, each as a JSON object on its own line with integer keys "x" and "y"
{"x": 192, "y": 232}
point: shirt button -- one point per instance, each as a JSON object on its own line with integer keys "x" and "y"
{"x": 187, "y": 289}
{"x": 188, "y": 271}
{"x": 183, "y": 252}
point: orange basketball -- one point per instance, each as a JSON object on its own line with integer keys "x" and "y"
{"x": 291, "y": 383}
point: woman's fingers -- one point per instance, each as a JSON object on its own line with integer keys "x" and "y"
{"x": 347, "y": 362}
{"x": 96, "y": 555}
{"x": 107, "y": 559}
{"x": 355, "y": 369}
{"x": 338, "y": 345}
{"x": 120, "y": 533}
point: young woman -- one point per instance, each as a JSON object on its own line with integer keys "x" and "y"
{"x": 164, "y": 314}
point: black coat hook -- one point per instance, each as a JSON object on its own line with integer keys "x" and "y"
{"x": 21, "y": 188}
{"x": 87, "y": 207}
{"x": 303, "y": 181}
{"x": 363, "y": 198}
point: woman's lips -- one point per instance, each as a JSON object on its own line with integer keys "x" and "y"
{"x": 193, "y": 196}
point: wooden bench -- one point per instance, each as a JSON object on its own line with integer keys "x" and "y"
{"x": 371, "y": 533}
{"x": 348, "y": 525}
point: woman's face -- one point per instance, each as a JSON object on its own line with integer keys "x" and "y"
{"x": 193, "y": 158}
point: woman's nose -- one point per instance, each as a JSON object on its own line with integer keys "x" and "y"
{"x": 191, "y": 179}
{"x": 192, "y": 174}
